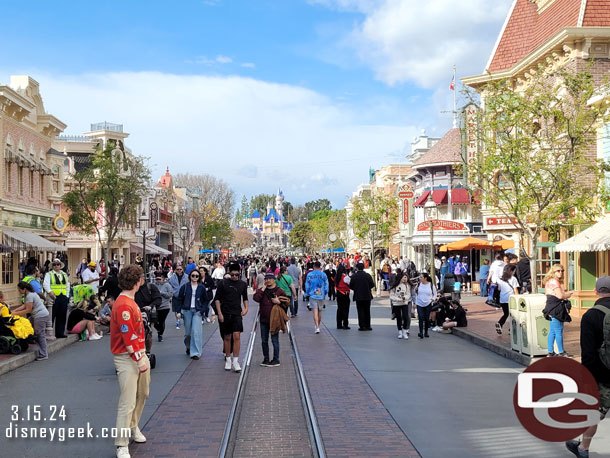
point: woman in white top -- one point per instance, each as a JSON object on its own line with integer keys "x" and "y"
{"x": 39, "y": 316}
{"x": 400, "y": 297}
{"x": 508, "y": 285}
{"x": 426, "y": 294}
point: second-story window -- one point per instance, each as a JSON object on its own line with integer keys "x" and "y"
{"x": 7, "y": 176}
{"x": 31, "y": 184}
{"x": 41, "y": 188}
{"x": 20, "y": 181}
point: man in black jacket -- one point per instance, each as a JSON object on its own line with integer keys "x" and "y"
{"x": 362, "y": 283}
{"x": 147, "y": 298}
{"x": 524, "y": 273}
{"x": 591, "y": 339}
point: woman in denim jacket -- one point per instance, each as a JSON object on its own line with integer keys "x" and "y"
{"x": 194, "y": 301}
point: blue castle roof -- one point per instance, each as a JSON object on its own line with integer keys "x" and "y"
{"x": 256, "y": 214}
{"x": 273, "y": 214}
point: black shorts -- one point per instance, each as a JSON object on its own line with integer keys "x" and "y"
{"x": 231, "y": 324}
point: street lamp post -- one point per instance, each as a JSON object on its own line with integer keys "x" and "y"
{"x": 214, "y": 248}
{"x": 144, "y": 231}
{"x": 373, "y": 235}
{"x": 183, "y": 231}
{"x": 431, "y": 212}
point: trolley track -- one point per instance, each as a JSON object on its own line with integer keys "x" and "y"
{"x": 251, "y": 413}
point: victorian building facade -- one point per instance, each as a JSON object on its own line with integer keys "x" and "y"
{"x": 571, "y": 34}
{"x": 32, "y": 180}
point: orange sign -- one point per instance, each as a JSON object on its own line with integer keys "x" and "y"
{"x": 442, "y": 225}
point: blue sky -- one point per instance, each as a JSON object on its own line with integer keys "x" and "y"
{"x": 304, "y": 94}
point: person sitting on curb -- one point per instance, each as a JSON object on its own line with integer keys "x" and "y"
{"x": 457, "y": 317}
{"x": 82, "y": 319}
{"x": 595, "y": 352}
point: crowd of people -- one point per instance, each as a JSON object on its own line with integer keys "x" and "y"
{"x": 122, "y": 301}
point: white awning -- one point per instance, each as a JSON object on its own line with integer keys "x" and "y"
{"x": 595, "y": 238}
{"x": 21, "y": 240}
{"x": 150, "y": 249}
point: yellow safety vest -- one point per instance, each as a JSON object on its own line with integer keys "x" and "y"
{"x": 60, "y": 287}
{"x": 28, "y": 279}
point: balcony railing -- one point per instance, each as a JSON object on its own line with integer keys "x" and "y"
{"x": 74, "y": 138}
{"x": 107, "y": 126}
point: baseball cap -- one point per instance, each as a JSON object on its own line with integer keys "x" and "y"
{"x": 92, "y": 264}
{"x": 269, "y": 275}
{"x": 602, "y": 285}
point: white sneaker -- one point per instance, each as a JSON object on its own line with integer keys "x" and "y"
{"x": 317, "y": 330}
{"x": 137, "y": 435}
{"x": 407, "y": 331}
{"x": 122, "y": 452}
{"x": 95, "y": 337}
{"x": 405, "y": 334}
{"x": 236, "y": 366}
{"x": 400, "y": 334}
{"x": 227, "y": 363}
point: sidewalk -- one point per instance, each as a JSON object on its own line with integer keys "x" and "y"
{"x": 481, "y": 331}
{"x": 10, "y": 362}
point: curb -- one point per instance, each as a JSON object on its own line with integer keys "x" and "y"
{"x": 490, "y": 345}
{"x": 29, "y": 356}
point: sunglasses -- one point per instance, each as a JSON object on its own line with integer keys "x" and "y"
{"x": 560, "y": 270}
{"x": 56, "y": 264}
{"x": 234, "y": 275}
{"x": 195, "y": 276}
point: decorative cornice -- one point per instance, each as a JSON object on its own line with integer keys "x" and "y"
{"x": 14, "y": 104}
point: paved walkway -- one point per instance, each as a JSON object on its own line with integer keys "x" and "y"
{"x": 272, "y": 420}
{"x": 190, "y": 422}
{"x": 352, "y": 420}
{"x": 482, "y": 319}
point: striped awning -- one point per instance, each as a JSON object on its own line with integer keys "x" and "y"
{"x": 151, "y": 248}
{"x": 595, "y": 238}
{"x": 21, "y": 240}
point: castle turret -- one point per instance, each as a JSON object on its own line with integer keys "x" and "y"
{"x": 279, "y": 204}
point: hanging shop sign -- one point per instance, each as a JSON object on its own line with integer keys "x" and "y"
{"x": 472, "y": 142}
{"x": 405, "y": 194}
{"x": 442, "y": 225}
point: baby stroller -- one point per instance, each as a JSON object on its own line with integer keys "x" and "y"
{"x": 15, "y": 333}
{"x": 147, "y": 322}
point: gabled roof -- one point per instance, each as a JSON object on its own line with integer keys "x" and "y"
{"x": 273, "y": 214}
{"x": 165, "y": 180}
{"x": 256, "y": 214}
{"x": 448, "y": 150}
{"x": 526, "y": 29}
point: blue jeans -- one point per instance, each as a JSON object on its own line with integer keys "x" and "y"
{"x": 556, "y": 335}
{"x": 193, "y": 332}
{"x": 483, "y": 283}
{"x": 275, "y": 340}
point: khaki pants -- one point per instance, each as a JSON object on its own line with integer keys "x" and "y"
{"x": 134, "y": 393}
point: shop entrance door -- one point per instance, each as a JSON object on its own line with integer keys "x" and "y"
{"x": 546, "y": 257}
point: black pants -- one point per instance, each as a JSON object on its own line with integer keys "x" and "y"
{"x": 364, "y": 314}
{"x": 342, "y": 310}
{"x": 59, "y": 314}
{"x": 504, "y": 317}
{"x": 423, "y": 315}
{"x": 331, "y": 292}
{"x": 403, "y": 316}
{"x": 160, "y": 324}
{"x": 294, "y": 303}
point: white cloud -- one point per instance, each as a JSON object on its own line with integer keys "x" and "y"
{"x": 254, "y": 134}
{"x": 223, "y": 59}
{"x": 209, "y": 62}
{"x": 248, "y": 65}
{"x": 420, "y": 41}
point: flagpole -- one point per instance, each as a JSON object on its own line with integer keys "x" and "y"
{"x": 454, "y": 99}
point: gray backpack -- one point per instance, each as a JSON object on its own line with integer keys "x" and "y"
{"x": 604, "y": 350}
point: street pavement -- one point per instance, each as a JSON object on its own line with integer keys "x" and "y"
{"x": 82, "y": 379}
{"x": 450, "y": 397}
{"x": 443, "y": 395}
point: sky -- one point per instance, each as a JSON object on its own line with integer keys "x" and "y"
{"x": 305, "y": 95}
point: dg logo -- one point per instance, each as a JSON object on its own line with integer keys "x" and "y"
{"x": 556, "y": 399}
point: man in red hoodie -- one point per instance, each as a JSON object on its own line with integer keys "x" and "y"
{"x": 129, "y": 351}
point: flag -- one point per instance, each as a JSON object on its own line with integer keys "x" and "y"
{"x": 452, "y": 85}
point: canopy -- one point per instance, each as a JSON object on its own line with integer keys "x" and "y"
{"x": 504, "y": 244}
{"x": 467, "y": 244}
{"x": 207, "y": 250}
{"x": 21, "y": 240}
{"x": 335, "y": 250}
{"x": 595, "y": 238}
{"x": 150, "y": 249}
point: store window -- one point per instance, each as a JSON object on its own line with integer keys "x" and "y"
{"x": 460, "y": 212}
{"x": 7, "y": 268}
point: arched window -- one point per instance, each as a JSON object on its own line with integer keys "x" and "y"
{"x": 66, "y": 165}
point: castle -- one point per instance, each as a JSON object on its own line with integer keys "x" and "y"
{"x": 272, "y": 229}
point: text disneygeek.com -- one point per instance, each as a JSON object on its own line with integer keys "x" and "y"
{"x": 19, "y": 429}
